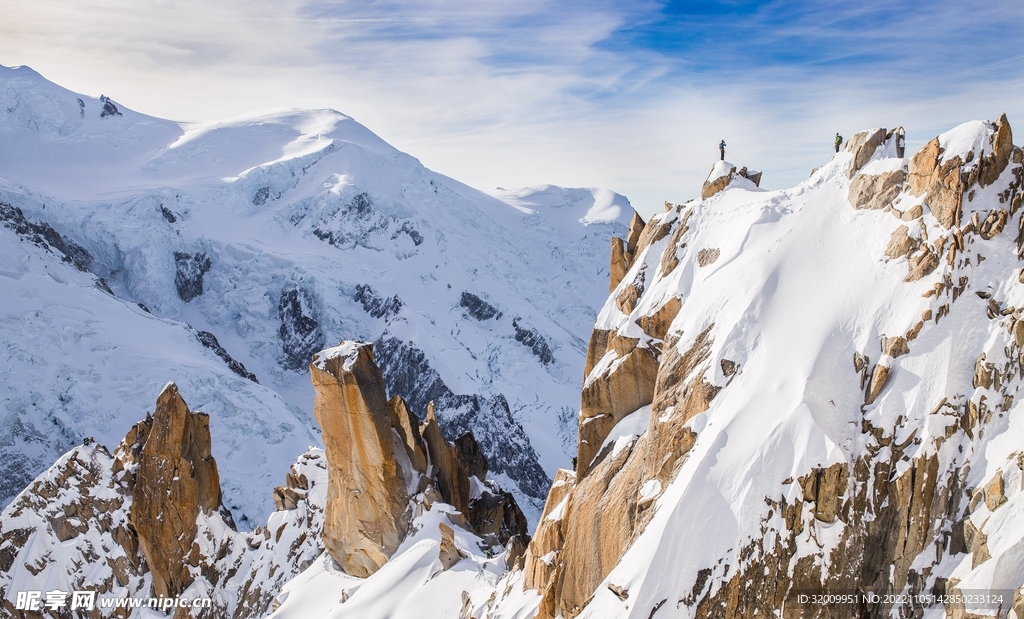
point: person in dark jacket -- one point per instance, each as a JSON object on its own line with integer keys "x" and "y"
{"x": 721, "y": 149}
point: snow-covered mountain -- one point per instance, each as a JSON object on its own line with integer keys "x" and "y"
{"x": 794, "y": 403}
{"x": 136, "y": 250}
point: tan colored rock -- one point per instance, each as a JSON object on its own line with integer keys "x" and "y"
{"x": 653, "y": 232}
{"x": 636, "y": 228}
{"x": 754, "y": 176}
{"x": 876, "y": 191}
{"x": 923, "y": 263}
{"x": 940, "y": 181}
{"x": 601, "y": 515}
{"x": 596, "y": 349}
{"x": 285, "y": 498}
{"x": 879, "y": 376}
{"x": 627, "y": 299}
{"x": 451, "y": 473}
{"x": 901, "y": 243}
{"x": 175, "y": 479}
{"x": 993, "y": 224}
{"x": 549, "y": 535}
{"x": 708, "y": 256}
{"x": 711, "y": 188}
{"x": 515, "y": 553}
{"x": 983, "y": 373}
{"x": 657, "y": 324}
{"x": 995, "y": 492}
{"x": 863, "y": 145}
{"x": 825, "y": 488}
{"x": 673, "y": 387}
{"x": 618, "y": 264}
{"x": 669, "y": 258}
{"x": 608, "y": 398}
{"x": 408, "y": 428}
{"x": 914, "y": 212}
{"x": 1002, "y": 146}
{"x": 449, "y": 554}
{"x": 979, "y": 550}
{"x": 365, "y": 518}
{"x": 894, "y": 346}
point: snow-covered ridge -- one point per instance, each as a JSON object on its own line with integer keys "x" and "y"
{"x": 234, "y": 250}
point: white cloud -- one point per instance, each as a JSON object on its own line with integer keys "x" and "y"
{"x": 498, "y": 93}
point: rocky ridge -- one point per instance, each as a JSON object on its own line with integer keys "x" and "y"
{"x": 916, "y": 485}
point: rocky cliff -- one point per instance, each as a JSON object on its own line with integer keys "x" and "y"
{"x": 806, "y": 391}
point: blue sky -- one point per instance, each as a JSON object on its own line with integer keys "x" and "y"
{"x": 630, "y": 96}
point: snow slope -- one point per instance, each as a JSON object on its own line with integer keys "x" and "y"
{"x": 278, "y": 234}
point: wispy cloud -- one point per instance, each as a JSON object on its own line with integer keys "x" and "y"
{"x": 630, "y": 96}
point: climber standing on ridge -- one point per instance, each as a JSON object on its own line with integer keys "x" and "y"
{"x": 721, "y": 149}
{"x": 839, "y": 141}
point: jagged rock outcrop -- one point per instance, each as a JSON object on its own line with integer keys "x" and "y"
{"x": 146, "y": 521}
{"x": 209, "y": 340}
{"x": 724, "y": 174}
{"x": 408, "y": 429}
{"x": 375, "y": 305}
{"x": 407, "y": 372}
{"x": 452, "y": 472}
{"x": 43, "y": 235}
{"x": 449, "y": 554}
{"x": 477, "y": 307}
{"x": 862, "y": 146}
{"x": 944, "y": 180}
{"x": 175, "y": 479}
{"x": 623, "y": 252}
{"x": 378, "y": 454}
{"x": 367, "y": 497}
{"x": 876, "y": 190}
{"x": 109, "y": 109}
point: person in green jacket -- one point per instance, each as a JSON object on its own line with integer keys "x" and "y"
{"x": 839, "y": 141}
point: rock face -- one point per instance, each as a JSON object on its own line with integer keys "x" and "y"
{"x": 176, "y": 478}
{"x": 147, "y": 522}
{"x": 876, "y": 191}
{"x": 623, "y": 252}
{"x": 724, "y": 174}
{"x": 945, "y": 178}
{"x": 367, "y": 439}
{"x": 862, "y": 146}
{"x": 366, "y": 496}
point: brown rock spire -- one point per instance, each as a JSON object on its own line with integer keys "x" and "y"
{"x": 365, "y": 518}
{"x": 175, "y": 478}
